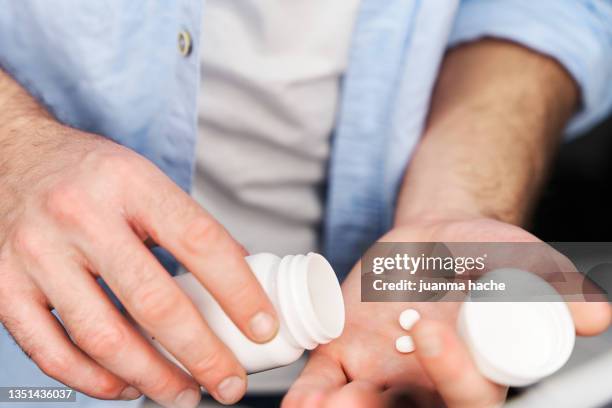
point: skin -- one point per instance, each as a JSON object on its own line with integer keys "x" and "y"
{"x": 76, "y": 207}
{"x": 496, "y": 117}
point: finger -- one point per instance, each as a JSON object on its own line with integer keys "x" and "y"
{"x": 447, "y": 362}
{"x": 44, "y": 340}
{"x": 156, "y": 302}
{"x": 98, "y": 328}
{"x": 36, "y": 330}
{"x": 176, "y": 222}
{"x": 321, "y": 375}
{"x": 356, "y": 394}
{"x": 590, "y": 318}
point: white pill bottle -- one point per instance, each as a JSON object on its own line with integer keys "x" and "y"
{"x": 306, "y": 294}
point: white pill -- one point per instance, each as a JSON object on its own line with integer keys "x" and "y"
{"x": 404, "y": 344}
{"x": 408, "y": 318}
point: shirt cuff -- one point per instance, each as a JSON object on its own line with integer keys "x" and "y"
{"x": 577, "y": 33}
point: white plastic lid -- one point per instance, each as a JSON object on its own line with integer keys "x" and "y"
{"x": 518, "y": 343}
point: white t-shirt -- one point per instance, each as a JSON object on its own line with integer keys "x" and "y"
{"x": 271, "y": 73}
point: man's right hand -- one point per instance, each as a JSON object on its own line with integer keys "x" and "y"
{"x": 75, "y": 207}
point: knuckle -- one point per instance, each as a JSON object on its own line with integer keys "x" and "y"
{"x": 59, "y": 366}
{"x": 122, "y": 172}
{"x": 108, "y": 387}
{"x": 153, "y": 304}
{"x": 211, "y": 363}
{"x": 103, "y": 342}
{"x": 66, "y": 202}
{"x": 28, "y": 242}
{"x": 200, "y": 233}
{"x": 246, "y": 295}
{"x": 159, "y": 384}
{"x": 55, "y": 365}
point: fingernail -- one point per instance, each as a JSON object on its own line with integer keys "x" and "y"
{"x": 231, "y": 390}
{"x": 189, "y": 398}
{"x": 428, "y": 342}
{"x": 263, "y": 327}
{"x": 129, "y": 393}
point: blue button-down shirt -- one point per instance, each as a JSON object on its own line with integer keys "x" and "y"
{"x": 114, "y": 68}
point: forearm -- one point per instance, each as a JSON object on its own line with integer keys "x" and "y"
{"x": 496, "y": 117}
{"x": 16, "y": 105}
{"x": 32, "y": 142}
{"x": 22, "y": 140}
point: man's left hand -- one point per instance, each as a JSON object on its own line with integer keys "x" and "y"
{"x": 363, "y": 369}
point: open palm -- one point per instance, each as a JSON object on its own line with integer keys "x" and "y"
{"x": 362, "y": 367}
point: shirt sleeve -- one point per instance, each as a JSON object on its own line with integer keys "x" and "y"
{"x": 577, "y": 33}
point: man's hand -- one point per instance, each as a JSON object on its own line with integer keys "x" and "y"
{"x": 495, "y": 119}
{"x": 362, "y": 367}
{"x": 76, "y": 207}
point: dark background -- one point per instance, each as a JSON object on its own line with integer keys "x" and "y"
{"x": 575, "y": 204}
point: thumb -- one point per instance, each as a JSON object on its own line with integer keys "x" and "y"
{"x": 590, "y": 318}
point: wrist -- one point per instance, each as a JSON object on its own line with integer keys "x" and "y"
{"x": 12, "y": 122}
{"x": 33, "y": 147}
{"x": 458, "y": 198}
{"x": 437, "y": 216}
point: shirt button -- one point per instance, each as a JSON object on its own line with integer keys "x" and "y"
{"x": 184, "y": 43}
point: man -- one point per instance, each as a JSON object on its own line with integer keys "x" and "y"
{"x": 77, "y": 205}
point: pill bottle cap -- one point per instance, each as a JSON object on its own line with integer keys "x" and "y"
{"x": 518, "y": 343}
